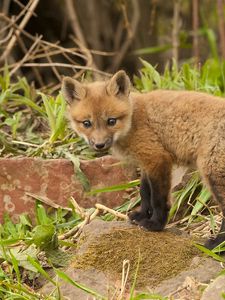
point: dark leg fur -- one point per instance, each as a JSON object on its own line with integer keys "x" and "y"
{"x": 154, "y": 206}
{"x": 146, "y": 208}
{"x": 155, "y": 188}
{"x": 212, "y": 243}
{"x": 217, "y": 185}
{"x": 159, "y": 198}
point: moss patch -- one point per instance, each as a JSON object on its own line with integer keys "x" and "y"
{"x": 162, "y": 254}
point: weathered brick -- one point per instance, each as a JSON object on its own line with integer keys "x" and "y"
{"x": 56, "y": 180}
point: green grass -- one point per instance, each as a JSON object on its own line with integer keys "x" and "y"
{"x": 34, "y": 124}
{"x": 209, "y": 78}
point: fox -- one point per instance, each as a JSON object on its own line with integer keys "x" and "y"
{"x": 153, "y": 131}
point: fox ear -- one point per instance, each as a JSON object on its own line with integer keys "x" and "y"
{"x": 119, "y": 84}
{"x": 72, "y": 90}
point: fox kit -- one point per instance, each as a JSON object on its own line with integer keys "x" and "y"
{"x": 154, "y": 131}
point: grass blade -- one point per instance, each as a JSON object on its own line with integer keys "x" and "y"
{"x": 209, "y": 253}
{"x": 39, "y": 268}
{"x": 115, "y": 188}
{"x": 82, "y": 287}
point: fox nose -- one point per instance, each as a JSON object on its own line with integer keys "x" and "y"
{"x": 100, "y": 146}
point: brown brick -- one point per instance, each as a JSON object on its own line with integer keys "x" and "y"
{"x": 55, "y": 179}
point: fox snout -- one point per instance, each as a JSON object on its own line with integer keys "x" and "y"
{"x": 101, "y": 145}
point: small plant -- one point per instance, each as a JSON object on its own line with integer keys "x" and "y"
{"x": 209, "y": 78}
{"x": 34, "y": 124}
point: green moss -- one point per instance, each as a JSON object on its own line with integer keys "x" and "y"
{"x": 162, "y": 254}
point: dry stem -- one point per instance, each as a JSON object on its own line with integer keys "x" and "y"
{"x": 175, "y": 39}
{"x": 78, "y": 208}
{"x": 20, "y": 63}
{"x": 130, "y": 36}
{"x": 23, "y": 23}
{"x": 43, "y": 53}
{"x": 111, "y": 211}
{"x": 220, "y": 11}
{"x": 195, "y": 25}
{"x": 75, "y": 229}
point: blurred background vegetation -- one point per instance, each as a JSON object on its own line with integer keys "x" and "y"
{"x": 47, "y": 39}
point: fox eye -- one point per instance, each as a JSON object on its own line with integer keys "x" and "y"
{"x": 87, "y": 123}
{"x": 111, "y": 121}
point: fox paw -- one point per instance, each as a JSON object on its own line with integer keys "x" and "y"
{"x": 214, "y": 242}
{"x": 152, "y": 224}
{"x": 136, "y": 216}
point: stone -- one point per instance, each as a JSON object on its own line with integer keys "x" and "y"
{"x": 196, "y": 271}
{"x": 92, "y": 279}
{"x": 186, "y": 285}
{"x": 56, "y": 180}
{"x": 215, "y": 290}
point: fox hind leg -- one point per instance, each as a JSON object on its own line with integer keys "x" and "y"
{"x": 213, "y": 171}
{"x": 217, "y": 186}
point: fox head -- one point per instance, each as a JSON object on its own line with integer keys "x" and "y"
{"x": 100, "y": 112}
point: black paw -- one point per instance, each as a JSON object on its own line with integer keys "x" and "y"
{"x": 152, "y": 224}
{"x": 137, "y": 216}
{"x": 212, "y": 243}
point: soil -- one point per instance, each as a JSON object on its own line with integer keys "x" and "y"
{"x": 154, "y": 256}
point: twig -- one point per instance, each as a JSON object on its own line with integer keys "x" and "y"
{"x": 79, "y": 231}
{"x": 72, "y": 51}
{"x": 89, "y": 58}
{"x": 80, "y": 41}
{"x": 65, "y": 66}
{"x": 35, "y": 70}
{"x": 126, "y": 20}
{"x": 75, "y": 229}
{"x": 86, "y": 52}
{"x": 21, "y": 62}
{"x": 74, "y": 22}
{"x": 103, "y": 53}
{"x": 14, "y": 19}
{"x": 123, "y": 49}
{"x": 118, "y": 35}
{"x": 42, "y": 54}
{"x": 47, "y": 201}
{"x": 195, "y": 24}
{"x": 125, "y": 273}
{"x": 111, "y": 211}
{"x": 78, "y": 208}
{"x": 23, "y": 6}
{"x": 54, "y": 69}
{"x": 4, "y": 40}
{"x": 175, "y": 39}
{"x": 220, "y": 11}
{"x": 5, "y": 9}
{"x": 5, "y": 6}
{"x": 25, "y": 144}
{"x": 153, "y": 16}
{"x": 12, "y": 24}
{"x": 18, "y": 31}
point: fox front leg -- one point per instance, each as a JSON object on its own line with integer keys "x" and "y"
{"x": 146, "y": 206}
{"x": 155, "y": 189}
